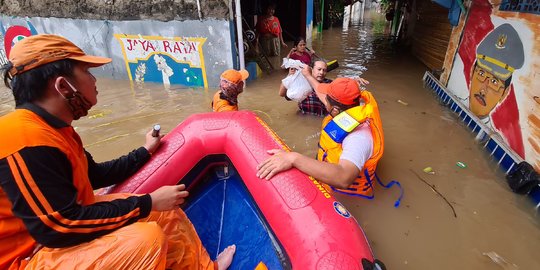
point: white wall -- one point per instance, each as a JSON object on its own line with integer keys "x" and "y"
{"x": 190, "y": 52}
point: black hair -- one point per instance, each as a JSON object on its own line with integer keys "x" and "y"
{"x": 340, "y": 105}
{"x": 270, "y": 5}
{"x": 30, "y": 85}
{"x": 318, "y": 60}
{"x": 297, "y": 40}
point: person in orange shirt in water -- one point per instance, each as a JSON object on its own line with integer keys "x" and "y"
{"x": 49, "y": 215}
{"x": 230, "y": 86}
{"x": 269, "y": 32}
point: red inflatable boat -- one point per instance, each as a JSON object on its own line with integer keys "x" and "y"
{"x": 290, "y": 222}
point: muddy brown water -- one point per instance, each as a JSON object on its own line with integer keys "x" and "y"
{"x": 494, "y": 228}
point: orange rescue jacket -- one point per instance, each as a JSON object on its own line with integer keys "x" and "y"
{"x": 222, "y": 105}
{"x": 20, "y": 129}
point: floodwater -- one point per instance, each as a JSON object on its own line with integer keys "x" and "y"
{"x": 492, "y": 228}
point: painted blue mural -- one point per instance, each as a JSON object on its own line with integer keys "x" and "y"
{"x": 167, "y": 60}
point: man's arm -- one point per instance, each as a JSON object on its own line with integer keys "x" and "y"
{"x": 357, "y": 148}
{"x": 116, "y": 171}
{"x": 282, "y": 90}
{"x": 339, "y": 175}
{"x": 39, "y": 184}
{"x": 306, "y": 71}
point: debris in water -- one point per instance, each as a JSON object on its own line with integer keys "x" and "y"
{"x": 461, "y": 164}
{"x": 436, "y": 191}
{"x": 402, "y": 102}
{"x": 429, "y": 170}
{"x": 97, "y": 115}
{"x": 500, "y": 261}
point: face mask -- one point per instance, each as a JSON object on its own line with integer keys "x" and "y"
{"x": 78, "y": 104}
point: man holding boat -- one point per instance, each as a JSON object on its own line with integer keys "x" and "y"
{"x": 49, "y": 215}
{"x": 351, "y": 142}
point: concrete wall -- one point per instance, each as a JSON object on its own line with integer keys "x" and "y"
{"x": 163, "y": 10}
{"x": 496, "y": 72}
{"x": 170, "y": 41}
{"x": 189, "y": 52}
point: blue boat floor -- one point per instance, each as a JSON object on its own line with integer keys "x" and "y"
{"x": 224, "y": 213}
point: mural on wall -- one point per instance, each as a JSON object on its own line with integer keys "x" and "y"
{"x": 494, "y": 74}
{"x": 11, "y": 35}
{"x": 177, "y": 60}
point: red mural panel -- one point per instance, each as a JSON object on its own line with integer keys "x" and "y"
{"x": 505, "y": 116}
{"x": 12, "y": 36}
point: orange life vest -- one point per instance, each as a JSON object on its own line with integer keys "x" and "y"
{"x": 23, "y": 128}
{"x": 335, "y": 129}
{"x": 222, "y": 105}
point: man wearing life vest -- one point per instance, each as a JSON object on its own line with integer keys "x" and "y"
{"x": 350, "y": 145}
{"x": 231, "y": 85}
{"x": 49, "y": 215}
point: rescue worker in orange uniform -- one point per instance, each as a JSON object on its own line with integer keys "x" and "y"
{"x": 230, "y": 86}
{"x": 49, "y": 215}
{"x": 350, "y": 145}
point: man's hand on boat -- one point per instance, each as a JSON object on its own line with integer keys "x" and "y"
{"x": 339, "y": 175}
{"x": 279, "y": 161}
{"x": 152, "y": 143}
{"x": 168, "y": 198}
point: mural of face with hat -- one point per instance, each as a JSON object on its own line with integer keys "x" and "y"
{"x": 497, "y": 57}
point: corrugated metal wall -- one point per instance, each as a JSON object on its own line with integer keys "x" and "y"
{"x": 431, "y": 34}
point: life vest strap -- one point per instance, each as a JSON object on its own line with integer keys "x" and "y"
{"x": 369, "y": 184}
{"x": 325, "y": 154}
{"x": 369, "y": 197}
{"x": 389, "y": 185}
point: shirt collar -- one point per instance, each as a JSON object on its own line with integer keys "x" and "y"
{"x": 52, "y": 120}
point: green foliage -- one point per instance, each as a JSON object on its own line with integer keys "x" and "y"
{"x": 386, "y": 4}
{"x": 335, "y": 11}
